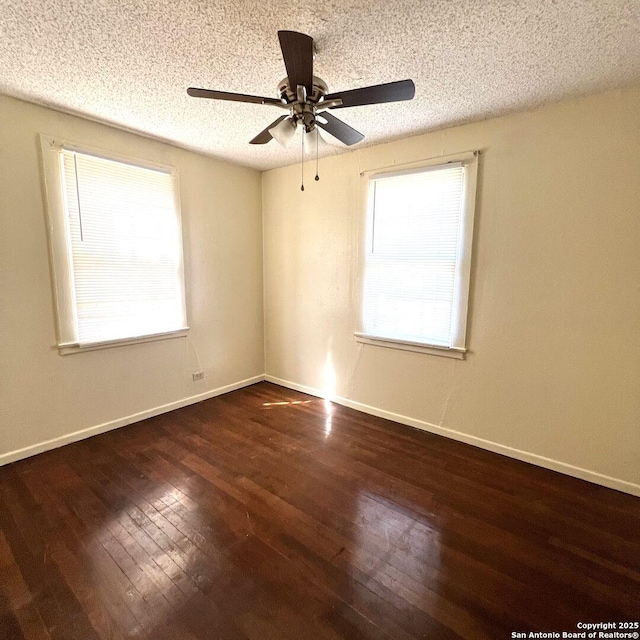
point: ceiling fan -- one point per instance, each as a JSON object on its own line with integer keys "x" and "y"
{"x": 306, "y": 96}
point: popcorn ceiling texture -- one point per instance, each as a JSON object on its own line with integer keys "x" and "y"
{"x": 129, "y": 62}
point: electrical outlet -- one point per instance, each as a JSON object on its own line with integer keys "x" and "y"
{"x": 198, "y": 375}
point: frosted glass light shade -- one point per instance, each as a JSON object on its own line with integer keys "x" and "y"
{"x": 310, "y": 141}
{"x": 283, "y": 132}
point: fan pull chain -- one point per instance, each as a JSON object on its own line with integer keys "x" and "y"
{"x": 302, "y": 162}
{"x": 317, "y": 136}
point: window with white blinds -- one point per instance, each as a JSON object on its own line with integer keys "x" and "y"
{"x": 417, "y": 256}
{"x": 121, "y": 230}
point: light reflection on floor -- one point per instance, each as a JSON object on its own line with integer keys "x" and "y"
{"x": 328, "y": 408}
{"x": 285, "y": 404}
{"x": 124, "y": 541}
{"x": 408, "y": 545}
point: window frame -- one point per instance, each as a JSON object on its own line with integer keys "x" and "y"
{"x": 60, "y": 251}
{"x": 469, "y": 160}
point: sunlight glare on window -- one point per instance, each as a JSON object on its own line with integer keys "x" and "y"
{"x": 412, "y": 255}
{"x": 125, "y": 248}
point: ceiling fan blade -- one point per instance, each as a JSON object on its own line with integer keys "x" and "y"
{"x": 235, "y": 97}
{"x": 339, "y": 129}
{"x": 297, "y": 51}
{"x": 265, "y": 136}
{"x": 376, "y": 94}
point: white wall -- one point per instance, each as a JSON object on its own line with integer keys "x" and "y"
{"x": 553, "y": 373}
{"x": 46, "y": 396}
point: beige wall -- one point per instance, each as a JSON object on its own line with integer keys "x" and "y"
{"x": 44, "y": 395}
{"x": 553, "y": 373}
{"x": 554, "y": 326}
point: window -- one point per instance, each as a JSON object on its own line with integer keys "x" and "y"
{"x": 417, "y": 256}
{"x": 116, "y": 248}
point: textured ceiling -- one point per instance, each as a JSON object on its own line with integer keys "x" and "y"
{"x": 129, "y": 62}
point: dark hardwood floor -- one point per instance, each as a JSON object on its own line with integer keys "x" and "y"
{"x": 266, "y": 515}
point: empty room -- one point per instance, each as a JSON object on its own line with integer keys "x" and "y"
{"x": 319, "y": 321}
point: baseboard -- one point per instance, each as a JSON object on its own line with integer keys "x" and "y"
{"x": 525, "y": 456}
{"x": 54, "y": 443}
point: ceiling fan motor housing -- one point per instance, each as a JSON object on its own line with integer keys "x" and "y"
{"x": 303, "y": 112}
{"x": 288, "y": 94}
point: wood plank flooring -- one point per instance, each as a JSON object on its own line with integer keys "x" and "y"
{"x": 266, "y": 514}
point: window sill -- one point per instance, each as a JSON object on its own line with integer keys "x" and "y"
{"x": 434, "y": 350}
{"x": 69, "y": 348}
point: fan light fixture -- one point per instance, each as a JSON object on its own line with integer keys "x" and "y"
{"x": 314, "y": 140}
{"x": 283, "y": 132}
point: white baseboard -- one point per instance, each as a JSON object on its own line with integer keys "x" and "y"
{"x": 54, "y": 443}
{"x": 525, "y": 456}
{"x": 541, "y": 461}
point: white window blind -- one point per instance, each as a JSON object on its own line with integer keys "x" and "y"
{"x": 414, "y": 257}
{"x": 125, "y": 250}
